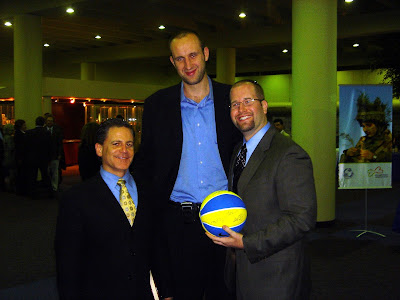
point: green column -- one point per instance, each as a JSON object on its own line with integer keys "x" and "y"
{"x": 88, "y": 71}
{"x": 314, "y": 35}
{"x": 28, "y": 68}
{"x": 226, "y": 65}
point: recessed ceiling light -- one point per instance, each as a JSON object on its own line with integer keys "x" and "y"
{"x": 356, "y": 45}
{"x": 285, "y": 50}
{"x": 8, "y": 23}
{"x": 161, "y": 27}
{"x": 46, "y": 45}
{"x": 242, "y": 15}
{"x": 70, "y": 10}
{"x": 348, "y": 1}
{"x": 97, "y": 37}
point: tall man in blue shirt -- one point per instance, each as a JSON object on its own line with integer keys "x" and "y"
{"x": 100, "y": 253}
{"x": 186, "y": 146}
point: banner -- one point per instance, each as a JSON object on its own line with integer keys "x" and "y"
{"x": 365, "y": 136}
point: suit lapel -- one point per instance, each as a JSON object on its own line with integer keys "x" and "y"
{"x": 256, "y": 158}
{"x": 106, "y": 198}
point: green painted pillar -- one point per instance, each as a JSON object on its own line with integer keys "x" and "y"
{"x": 88, "y": 71}
{"x": 314, "y": 36}
{"x": 28, "y": 68}
{"x": 226, "y": 65}
{"x": 46, "y": 104}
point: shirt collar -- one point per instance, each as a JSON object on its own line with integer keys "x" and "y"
{"x": 253, "y": 142}
{"x": 113, "y": 179}
{"x": 204, "y": 101}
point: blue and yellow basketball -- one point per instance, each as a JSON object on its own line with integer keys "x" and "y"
{"x": 222, "y": 208}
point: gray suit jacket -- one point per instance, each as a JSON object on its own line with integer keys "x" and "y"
{"x": 277, "y": 186}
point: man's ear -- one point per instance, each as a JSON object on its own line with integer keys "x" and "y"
{"x": 264, "y": 104}
{"x": 99, "y": 149}
{"x": 206, "y": 52}
{"x": 171, "y": 59}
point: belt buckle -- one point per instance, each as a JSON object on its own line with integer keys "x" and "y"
{"x": 189, "y": 212}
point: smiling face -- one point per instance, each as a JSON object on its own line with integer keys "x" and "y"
{"x": 248, "y": 119}
{"x": 116, "y": 151}
{"x": 189, "y": 59}
{"x": 369, "y": 128}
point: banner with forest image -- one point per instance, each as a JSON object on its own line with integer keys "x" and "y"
{"x": 365, "y": 136}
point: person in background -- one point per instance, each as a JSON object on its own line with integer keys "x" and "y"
{"x": 19, "y": 137}
{"x": 187, "y": 142}
{"x": 56, "y": 152}
{"x": 274, "y": 177}
{"x": 89, "y": 162}
{"x": 104, "y": 235}
{"x": 278, "y": 123}
{"x": 9, "y": 162}
{"x": 37, "y": 151}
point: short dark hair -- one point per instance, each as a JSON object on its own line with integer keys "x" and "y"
{"x": 182, "y": 34}
{"x": 278, "y": 120}
{"x": 18, "y": 124}
{"x": 257, "y": 87}
{"x": 105, "y": 126}
{"x": 48, "y": 115}
{"x": 39, "y": 121}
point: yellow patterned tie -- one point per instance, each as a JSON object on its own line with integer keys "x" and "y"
{"x": 126, "y": 202}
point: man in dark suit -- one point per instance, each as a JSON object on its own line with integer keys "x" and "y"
{"x": 187, "y": 142}
{"x": 104, "y": 250}
{"x": 277, "y": 187}
{"x": 37, "y": 147}
{"x": 57, "y": 151}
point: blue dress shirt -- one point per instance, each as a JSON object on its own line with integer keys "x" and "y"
{"x": 200, "y": 171}
{"x": 253, "y": 142}
{"x": 111, "y": 181}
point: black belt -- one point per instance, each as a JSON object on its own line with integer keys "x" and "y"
{"x": 189, "y": 210}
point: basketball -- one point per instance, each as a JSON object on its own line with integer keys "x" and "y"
{"x": 222, "y": 208}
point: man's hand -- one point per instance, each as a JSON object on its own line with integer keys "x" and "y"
{"x": 234, "y": 240}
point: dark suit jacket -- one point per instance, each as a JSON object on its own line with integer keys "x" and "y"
{"x": 277, "y": 187}
{"x": 99, "y": 255}
{"x": 37, "y": 146}
{"x": 157, "y": 162}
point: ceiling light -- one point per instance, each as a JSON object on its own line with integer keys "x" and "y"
{"x": 46, "y": 45}
{"x": 348, "y": 1}
{"x": 97, "y": 37}
{"x": 8, "y": 23}
{"x": 285, "y": 50}
{"x": 242, "y": 15}
{"x": 356, "y": 45}
{"x": 70, "y": 10}
{"x": 161, "y": 27}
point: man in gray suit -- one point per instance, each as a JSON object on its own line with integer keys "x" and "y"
{"x": 277, "y": 186}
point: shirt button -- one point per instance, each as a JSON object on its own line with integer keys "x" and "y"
{"x": 201, "y": 181}
{"x": 199, "y": 143}
{"x": 198, "y": 124}
{"x": 201, "y": 162}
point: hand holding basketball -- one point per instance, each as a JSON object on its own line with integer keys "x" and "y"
{"x": 234, "y": 240}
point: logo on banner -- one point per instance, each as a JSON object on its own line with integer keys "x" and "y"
{"x": 378, "y": 172}
{"x": 348, "y": 173}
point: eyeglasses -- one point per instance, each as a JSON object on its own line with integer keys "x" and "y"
{"x": 246, "y": 102}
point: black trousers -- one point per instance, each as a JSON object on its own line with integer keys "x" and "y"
{"x": 197, "y": 263}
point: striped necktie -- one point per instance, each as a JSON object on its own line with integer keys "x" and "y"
{"x": 238, "y": 167}
{"x": 126, "y": 201}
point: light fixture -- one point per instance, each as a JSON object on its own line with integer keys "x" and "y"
{"x": 46, "y": 45}
{"x": 348, "y": 1}
{"x": 242, "y": 15}
{"x": 355, "y": 45}
{"x": 161, "y": 27}
{"x": 70, "y": 10}
{"x": 72, "y": 100}
{"x": 84, "y": 104}
{"x": 8, "y": 23}
{"x": 97, "y": 37}
{"x": 285, "y": 50}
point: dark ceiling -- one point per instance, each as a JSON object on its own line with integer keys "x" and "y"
{"x": 129, "y": 30}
